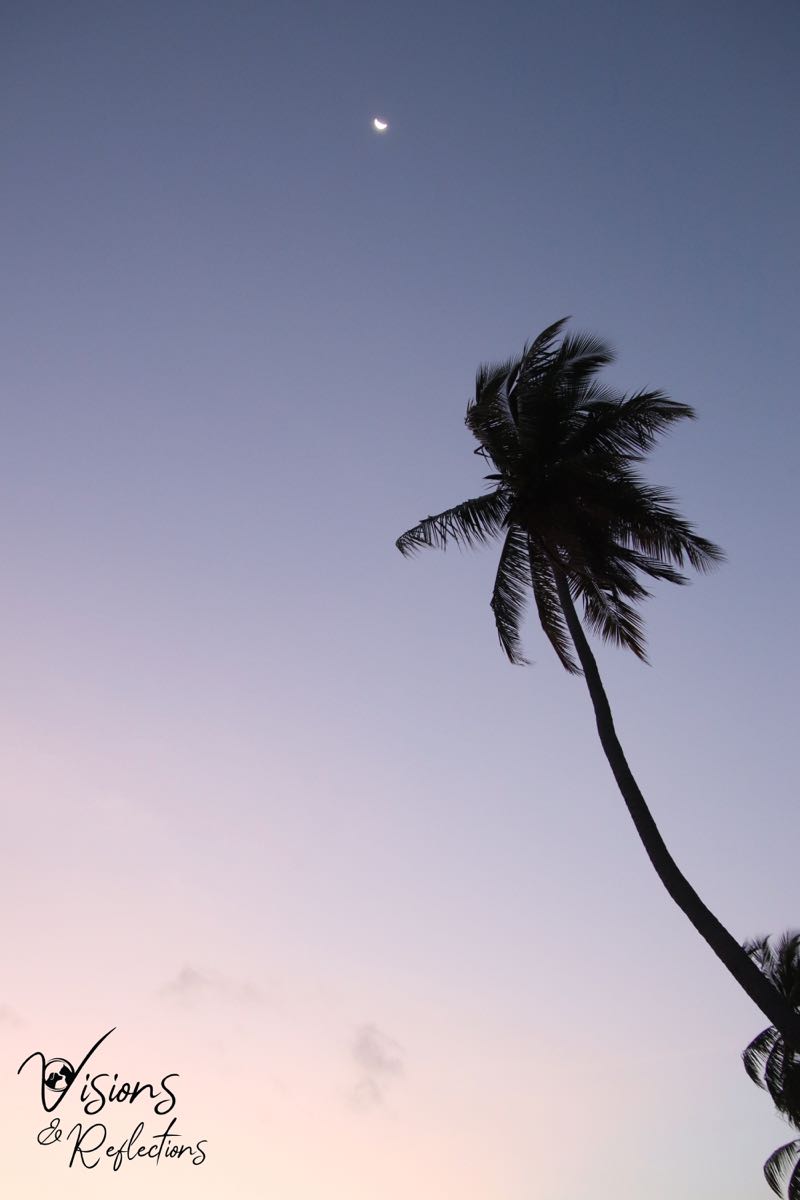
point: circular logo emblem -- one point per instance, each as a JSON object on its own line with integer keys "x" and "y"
{"x": 58, "y": 1074}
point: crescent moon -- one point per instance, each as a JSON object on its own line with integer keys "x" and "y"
{"x": 380, "y": 126}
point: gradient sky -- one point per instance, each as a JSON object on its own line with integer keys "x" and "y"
{"x": 274, "y": 803}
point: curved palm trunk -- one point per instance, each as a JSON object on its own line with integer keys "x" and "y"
{"x": 724, "y": 945}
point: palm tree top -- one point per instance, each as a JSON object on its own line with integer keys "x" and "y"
{"x": 771, "y": 1063}
{"x": 565, "y": 494}
{"x": 779, "y": 959}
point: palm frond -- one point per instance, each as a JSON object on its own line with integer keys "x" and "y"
{"x": 612, "y": 617}
{"x": 767, "y": 1060}
{"x": 675, "y": 539}
{"x": 470, "y": 524}
{"x": 539, "y": 352}
{"x": 760, "y": 950}
{"x": 779, "y": 959}
{"x": 535, "y": 376}
{"x": 653, "y": 567}
{"x": 511, "y": 589}
{"x": 552, "y": 390}
{"x": 782, "y": 1170}
{"x": 628, "y": 426}
{"x": 756, "y": 1055}
{"x": 548, "y": 606}
{"x": 793, "y": 1190}
{"x": 593, "y": 555}
{"x": 787, "y": 963}
{"x": 489, "y": 416}
{"x": 782, "y": 1081}
{"x": 646, "y": 520}
{"x": 580, "y": 357}
{"x": 490, "y": 377}
{"x": 775, "y": 1074}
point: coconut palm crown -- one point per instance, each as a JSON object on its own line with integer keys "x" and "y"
{"x": 768, "y": 1062}
{"x": 566, "y": 495}
{"x": 772, "y": 1064}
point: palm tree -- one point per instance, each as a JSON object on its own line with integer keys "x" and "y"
{"x": 579, "y": 523}
{"x": 769, "y": 1062}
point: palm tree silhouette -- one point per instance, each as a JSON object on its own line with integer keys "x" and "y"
{"x": 773, "y": 1066}
{"x": 579, "y": 523}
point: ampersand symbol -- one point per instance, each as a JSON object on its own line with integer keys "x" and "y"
{"x": 50, "y": 1134}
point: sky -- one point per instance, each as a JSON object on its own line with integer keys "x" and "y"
{"x": 275, "y": 807}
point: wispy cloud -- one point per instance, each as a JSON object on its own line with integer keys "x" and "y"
{"x": 193, "y": 985}
{"x": 8, "y": 1016}
{"x": 379, "y": 1059}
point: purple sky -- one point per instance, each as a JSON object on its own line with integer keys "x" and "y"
{"x": 275, "y": 804}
